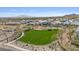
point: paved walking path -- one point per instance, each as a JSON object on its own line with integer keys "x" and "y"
{"x": 17, "y": 38}
{"x": 9, "y": 44}
{"x": 14, "y": 46}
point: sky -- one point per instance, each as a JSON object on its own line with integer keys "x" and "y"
{"x": 37, "y": 11}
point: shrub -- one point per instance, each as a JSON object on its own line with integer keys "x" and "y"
{"x": 49, "y": 29}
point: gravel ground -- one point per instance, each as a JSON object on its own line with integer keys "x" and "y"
{"x": 3, "y": 49}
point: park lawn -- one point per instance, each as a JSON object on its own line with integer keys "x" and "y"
{"x": 39, "y": 37}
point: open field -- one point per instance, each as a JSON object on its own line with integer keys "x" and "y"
{"x": 39, "y": 37}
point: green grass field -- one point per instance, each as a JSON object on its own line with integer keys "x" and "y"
{"x": 39, "y": 37}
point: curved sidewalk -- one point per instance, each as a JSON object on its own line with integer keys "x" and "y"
{"x": 14, "y": 46}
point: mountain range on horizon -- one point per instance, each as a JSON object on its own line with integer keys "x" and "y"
{"x": 27, "y": 16}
